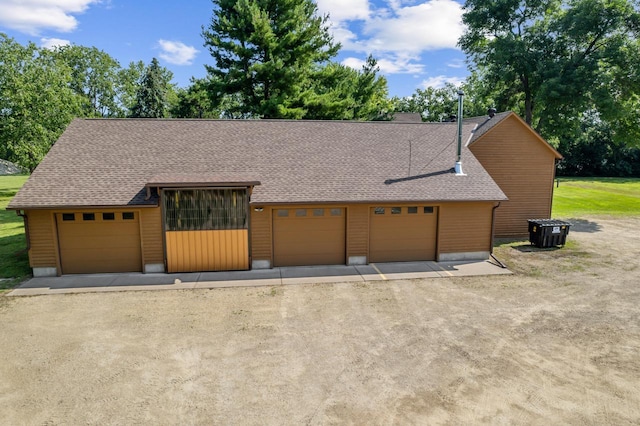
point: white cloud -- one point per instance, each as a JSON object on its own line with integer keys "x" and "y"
{"x": 440, "y": 80}
{"x": 33, "y": 16}
{"x": 456, "y": 63}
{"x": 432, "y": 25}
{"x": 354, "y": 63}
{"x": 50, "y": 43}
{"x": 340, "y": 10}
{"x": 176, "y": 52}
{"x": 389, "y": 65}
{"x": 397, "y": 33}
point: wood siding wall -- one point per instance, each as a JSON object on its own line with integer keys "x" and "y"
{"x": 44, "y": 239}
{"x": 261, "y": 240}
{"x": 524, "y": 167}
{"x": 42, "y": 232}
{"x": 151, "y": 234}
{"x": 358, "y": 231}
{"x": 464, "y": 227}
{"x": 213, "y": 250}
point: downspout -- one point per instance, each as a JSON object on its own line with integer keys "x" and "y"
{"x": 26, "y": 228}
{"x": 493, "y": 227}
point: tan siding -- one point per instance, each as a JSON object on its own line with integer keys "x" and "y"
{"x": 357, "y": 230}
{"x": 215, "y": 250}
{"x": 261, "y": 234}
{"x": 43, "y": 252}
{"x": 524, "y": 167}
{"x": 464, "y": 227}
{"x": 151, "y": 234}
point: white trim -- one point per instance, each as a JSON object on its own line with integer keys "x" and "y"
{"x": 261, "y": 264}
{"x": 469, "y": 255}
{"x": 153, "y": 268}
{"x": 45, "y": 272}
{"x": 357, "y": 260}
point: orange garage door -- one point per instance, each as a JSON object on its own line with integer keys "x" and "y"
{"x": 402, "y": 234}
{"x": 99, "y": 242}
{"x": 314, "y": 236}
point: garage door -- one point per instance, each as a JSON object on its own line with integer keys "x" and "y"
{"x": 99, "y": 242}
{"x": 402, "y": 234}
{"x": 309, "y": 236}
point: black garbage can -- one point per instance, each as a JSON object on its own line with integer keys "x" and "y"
{"x": 548, "y": 232}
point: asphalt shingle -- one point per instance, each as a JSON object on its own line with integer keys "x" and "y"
{"x": 108, "y": 162}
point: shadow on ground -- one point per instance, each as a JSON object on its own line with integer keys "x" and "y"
{"x": 582, "y": 225}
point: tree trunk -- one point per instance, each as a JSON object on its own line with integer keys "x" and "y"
{"x": 528, "y": 101}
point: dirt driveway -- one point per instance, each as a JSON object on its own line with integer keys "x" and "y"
{"x": 558, "y": 342}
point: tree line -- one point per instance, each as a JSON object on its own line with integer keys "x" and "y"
{"x": 570, "y": 68}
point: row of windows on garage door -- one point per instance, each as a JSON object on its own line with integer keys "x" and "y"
{"x": 318, "y": 236}
{"x": 110, "y": 241}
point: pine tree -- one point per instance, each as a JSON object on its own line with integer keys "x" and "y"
{"x": 265, "y": 51}
{"x": 151, "y": 96}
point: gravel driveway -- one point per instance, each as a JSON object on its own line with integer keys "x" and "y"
{"x": 557, "y": 342}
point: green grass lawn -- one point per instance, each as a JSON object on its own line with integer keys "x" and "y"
{"x": 577, "y": 197}
{"x": 14, "y": 263}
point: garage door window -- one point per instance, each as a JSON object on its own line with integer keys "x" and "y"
{"x": 396, "y": 210}
{"x": 68, "y": 217}
{"x": 88, "y": 216}
{"x": 108, "y": 216}
{"x": 428, "y": 210}
{"x": 301, "y": 212}
{"x": 282, "y": 213}
{"x": 318, "y": 212}
{"x": 378, "y": 210}
{"x": 412, "y": 210}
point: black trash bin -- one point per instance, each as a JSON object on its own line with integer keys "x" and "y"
{"x": 548, "y": 232}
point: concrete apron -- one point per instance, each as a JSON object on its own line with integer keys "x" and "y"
{"x": 255, "y": 278}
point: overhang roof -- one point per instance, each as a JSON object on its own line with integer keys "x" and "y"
{"x": 108, "y": 162}
{"x": 182, "y": 180}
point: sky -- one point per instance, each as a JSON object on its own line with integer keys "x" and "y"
{"x": 414, "y": 41}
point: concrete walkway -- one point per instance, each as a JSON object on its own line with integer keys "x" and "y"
{"x": 259, "y": 277}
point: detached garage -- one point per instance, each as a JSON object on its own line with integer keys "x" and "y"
{"x": 122, "y": 195}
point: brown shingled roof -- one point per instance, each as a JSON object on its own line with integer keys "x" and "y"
{"x": 108, "y": 162}
{"x": 485, "y": 123}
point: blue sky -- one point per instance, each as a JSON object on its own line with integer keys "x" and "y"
{"x": 413, "y": 40}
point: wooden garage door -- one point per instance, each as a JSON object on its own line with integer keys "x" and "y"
{"x": 312, "y": 236}
{"x": 99, "y": 242}
{"x": 402, "y": 234}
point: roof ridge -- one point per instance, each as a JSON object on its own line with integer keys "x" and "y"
{"x": 261, "y": 120}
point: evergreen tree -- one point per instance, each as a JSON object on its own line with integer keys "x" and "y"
{"x": 152, "y": 93}
{"x": 338, "y": 92}
{"x": 265, "y": 52}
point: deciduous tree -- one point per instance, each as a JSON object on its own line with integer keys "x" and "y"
{"x": 36, "y": 101}
{"x": 559, "y": 58}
